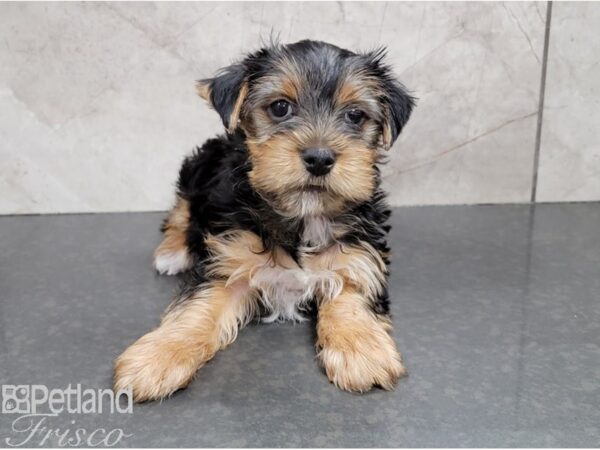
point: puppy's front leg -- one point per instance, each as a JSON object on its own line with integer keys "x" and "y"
{"x": 356, "y": 348}
{"x": 191, "y": 332}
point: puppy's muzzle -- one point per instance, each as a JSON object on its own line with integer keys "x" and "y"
{"x": 318, "y": 161}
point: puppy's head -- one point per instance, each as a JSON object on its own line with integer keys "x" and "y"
{"x": 316, "y": 118}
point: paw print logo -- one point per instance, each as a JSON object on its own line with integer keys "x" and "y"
{"x": 15, "y": 399}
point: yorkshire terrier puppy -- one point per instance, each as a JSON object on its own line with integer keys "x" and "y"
{"x": 282, "y": 214}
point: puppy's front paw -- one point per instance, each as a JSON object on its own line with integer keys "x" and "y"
{"x": 358, "y": 361}
{"x": 155, "y": 368}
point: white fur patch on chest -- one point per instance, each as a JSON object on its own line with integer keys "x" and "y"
{"x": 285, "y": 291}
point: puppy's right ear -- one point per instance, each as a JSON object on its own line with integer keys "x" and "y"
{"x": 226, "y": 94}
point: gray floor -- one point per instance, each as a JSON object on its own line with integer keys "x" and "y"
{"x": 496, "y": 310}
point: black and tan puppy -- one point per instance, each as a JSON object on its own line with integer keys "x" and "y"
{"x": 281, "y": 214}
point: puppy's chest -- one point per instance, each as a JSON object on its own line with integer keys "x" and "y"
{"x": 286, "y": 287}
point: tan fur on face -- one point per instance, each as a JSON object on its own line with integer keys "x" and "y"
{"x": 282, "y": 84}
{"x": 355, "y": 346}
{"x": 353, "y": 175}
{"x": 358, "y": 89}
{"x": 290, "y": 88}
{"x": 365, "y": 91}
{"x": 276, "y": 165}
{"x": 278, "y": 172}
{"x": 276, "y": 153}
{"x": 166, "y": 359}
{"x": 289, "y": 78}
{"x": 172, "y": 255}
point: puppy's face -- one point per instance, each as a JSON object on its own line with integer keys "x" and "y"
{"x": 316, "y": 118}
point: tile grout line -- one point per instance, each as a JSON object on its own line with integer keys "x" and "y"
{"x": 538, "y": 133}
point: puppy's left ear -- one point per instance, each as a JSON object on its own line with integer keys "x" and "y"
{"x": 226, "y": 94}
{"x": 399, "y": 105}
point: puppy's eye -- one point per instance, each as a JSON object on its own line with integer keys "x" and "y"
{"x": 355, "y": 116}
{"x": 280, "y": 110}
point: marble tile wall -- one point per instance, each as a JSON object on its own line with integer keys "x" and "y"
{"x": 569, "y": 168}
{"x": 97, "y": 102}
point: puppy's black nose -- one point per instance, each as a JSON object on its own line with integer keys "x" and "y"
{"x": 318, "y": 161}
